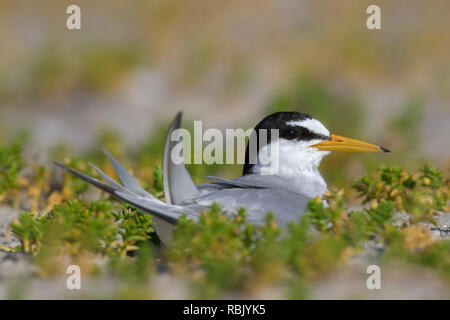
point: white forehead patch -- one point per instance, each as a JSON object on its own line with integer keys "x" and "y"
{"x": 312, "y": 124}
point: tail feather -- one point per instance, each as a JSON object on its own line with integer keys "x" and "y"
{"x": 127, "y": 179}
{"x": 93, "y": 181}
{"x": 147, "y": 203}
{"x": 153, "y": 206}
{"x": 111, "y": 181}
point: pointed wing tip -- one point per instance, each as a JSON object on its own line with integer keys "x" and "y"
{"x": 105, "y": 151}
{"x": 60, "y": 165}
{"x": 93, "y": 166}
{"x": 176, "y": 122}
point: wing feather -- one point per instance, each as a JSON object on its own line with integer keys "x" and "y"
{"x": 177, "y": 181}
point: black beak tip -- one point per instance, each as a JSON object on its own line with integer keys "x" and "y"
{"x": 384, "y": 149}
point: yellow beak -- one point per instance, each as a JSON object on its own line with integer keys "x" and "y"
{"x": 339, "y": 143}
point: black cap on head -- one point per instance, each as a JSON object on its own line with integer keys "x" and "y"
{"x": 279, "y": 119}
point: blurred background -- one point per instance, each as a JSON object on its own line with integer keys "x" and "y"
{"x": 120, "y": 79}
{"x": 118, "y": 82}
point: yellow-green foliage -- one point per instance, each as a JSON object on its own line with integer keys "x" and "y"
{"x": 10, "y": 164}
{"x": 78, "y": 228}
{"x": 221, "y": 253}
{"x": 419, "y": 194}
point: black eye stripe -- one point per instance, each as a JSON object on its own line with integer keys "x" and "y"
{"x": 290, "y": 133}
{"x": 300, "y": 133}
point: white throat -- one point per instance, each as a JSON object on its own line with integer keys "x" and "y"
{"x": 295, "y": 162}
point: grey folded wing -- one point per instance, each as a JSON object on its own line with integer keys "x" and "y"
{"x": 285, "y": 205}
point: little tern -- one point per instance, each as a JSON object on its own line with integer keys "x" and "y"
{"x": 302, "y": 143}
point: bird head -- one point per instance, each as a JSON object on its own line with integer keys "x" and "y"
{"x": 301, "y": 142}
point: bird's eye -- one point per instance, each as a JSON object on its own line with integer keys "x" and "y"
{"x": 289, "y": 133}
